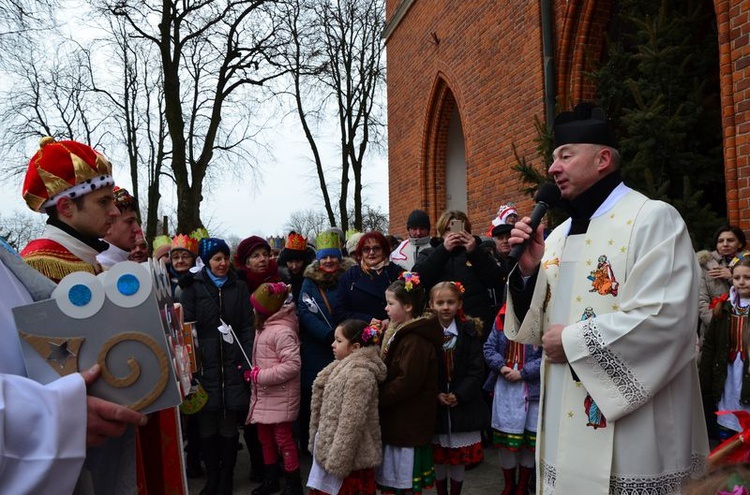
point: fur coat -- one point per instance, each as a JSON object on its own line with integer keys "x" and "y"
{"x": 345, "y": 413}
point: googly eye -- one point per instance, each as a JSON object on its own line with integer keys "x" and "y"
{"x": 79, "y": 295}
{"x": 127, "y": 284}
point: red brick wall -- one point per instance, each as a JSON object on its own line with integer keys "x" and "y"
{"x": 489, "y": 57}
{"x": 733, "y": 20}
{"x": 487, "y": 61}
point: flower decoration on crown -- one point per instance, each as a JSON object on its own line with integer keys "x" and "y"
{"x": 740, "y": 256}
{"x": 371, "y": 333}
{"x": 459, "y": 287}
{"x": 411, "y": 280}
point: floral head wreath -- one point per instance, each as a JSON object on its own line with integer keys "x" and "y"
{"x": 740, "y": 256}
{"x": 411, "y": 280}
{"x": 371, "y": 333}
{"x": 459, "y": 287}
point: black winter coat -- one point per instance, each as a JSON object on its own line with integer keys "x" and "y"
{"x": 362, "y": 295}
{"x": 477, "y": 271}
{"x": 221, "y": 364}
{"x": 472, "y": 412}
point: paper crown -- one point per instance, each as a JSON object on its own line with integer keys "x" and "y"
{"x": 161, "y": 240}
{"x": 182, "y": 241}
{"x": 269, "y": 297}
{"x": 63, "y": 168}
{"x": 295, "y": 242}
{"x": 161, "y": 246}
{"x": 350, "y": 233}
{"x": 328, "y": 244}
{"x": 199, "y": 233}
{"x": 276, "y": 242}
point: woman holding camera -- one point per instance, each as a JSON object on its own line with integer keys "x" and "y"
{"x": 456, "y": 256}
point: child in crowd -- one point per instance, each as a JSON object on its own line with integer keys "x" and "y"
{"x": 408, "y": 405}
{"x": 724, "y": 362}
{"x": 275, "y": 376}
{"x": 344, "y": 422}
{"x": 514, "y": 381}
{"x": 462, "y": 412}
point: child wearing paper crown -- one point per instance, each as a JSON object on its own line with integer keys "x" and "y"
{"x": 275, "y": 378}
{"x": 724, "y": 361}
{"x": 413, "y": 346}
{"x": 345, "y": 425}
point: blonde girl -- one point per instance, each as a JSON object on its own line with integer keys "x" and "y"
{"x": 462, "y": 412}
{"x": 408, "y": 403}
{"x": 345, "y": 425}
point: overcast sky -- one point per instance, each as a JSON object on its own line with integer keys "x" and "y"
{"x": 259, "y": 203}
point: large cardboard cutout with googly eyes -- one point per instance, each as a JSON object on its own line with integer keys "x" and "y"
{"x": 122, "y": 319}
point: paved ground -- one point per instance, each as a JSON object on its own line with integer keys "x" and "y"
{"x": 485, "y": 479}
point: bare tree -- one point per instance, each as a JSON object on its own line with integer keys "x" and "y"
{"x": 48, "y": 95}
{"x": 373, "y": 219}
{"x": 19, "y": 228}
{"x": 308, "y": 223}
{"x": 21, "y": 20}
{"x": 209, "y": 53}
{"x": 334, "y": 59}
{"x": 136, "y": 101}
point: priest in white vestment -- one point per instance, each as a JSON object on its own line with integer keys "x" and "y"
{"x": 612, "y": 296}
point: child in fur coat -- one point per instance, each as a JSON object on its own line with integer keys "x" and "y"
{"x": 344, "y": 423}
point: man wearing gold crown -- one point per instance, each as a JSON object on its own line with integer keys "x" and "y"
{"x": 121, "y": 236}
{"x": 73, "y": 184}
{"x": 620, "y": 408}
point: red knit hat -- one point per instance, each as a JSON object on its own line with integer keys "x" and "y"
{"x": 246, "y": 248}
{"x": 63, "y": 168}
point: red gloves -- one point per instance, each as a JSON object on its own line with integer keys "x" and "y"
{"x": 253, "y": 374}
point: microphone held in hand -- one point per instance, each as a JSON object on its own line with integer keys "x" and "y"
{"x": 547, "y": 196}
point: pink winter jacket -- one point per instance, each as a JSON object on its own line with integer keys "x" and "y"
{"x": 276, "y": 396}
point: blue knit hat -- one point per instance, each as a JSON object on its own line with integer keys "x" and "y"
{"x": 209, "y": 246}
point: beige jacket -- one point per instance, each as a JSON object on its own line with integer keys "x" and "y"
{"x": 344, "y": 413}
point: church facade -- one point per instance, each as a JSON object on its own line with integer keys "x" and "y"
{"x": 467, "y": 80}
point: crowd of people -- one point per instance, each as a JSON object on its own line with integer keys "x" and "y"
{"x": 593, "y": 362}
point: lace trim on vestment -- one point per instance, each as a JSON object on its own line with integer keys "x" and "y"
{"x": 669, "y": 483}
{"x": 614, "y": 368}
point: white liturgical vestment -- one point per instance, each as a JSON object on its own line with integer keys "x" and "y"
{"x": 42, "y": 427}
{"x": 624, "y": 415}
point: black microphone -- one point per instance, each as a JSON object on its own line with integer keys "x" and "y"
{"x": 547, "y": 196}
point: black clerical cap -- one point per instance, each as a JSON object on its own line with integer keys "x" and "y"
{"x": 585, "y": 124}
